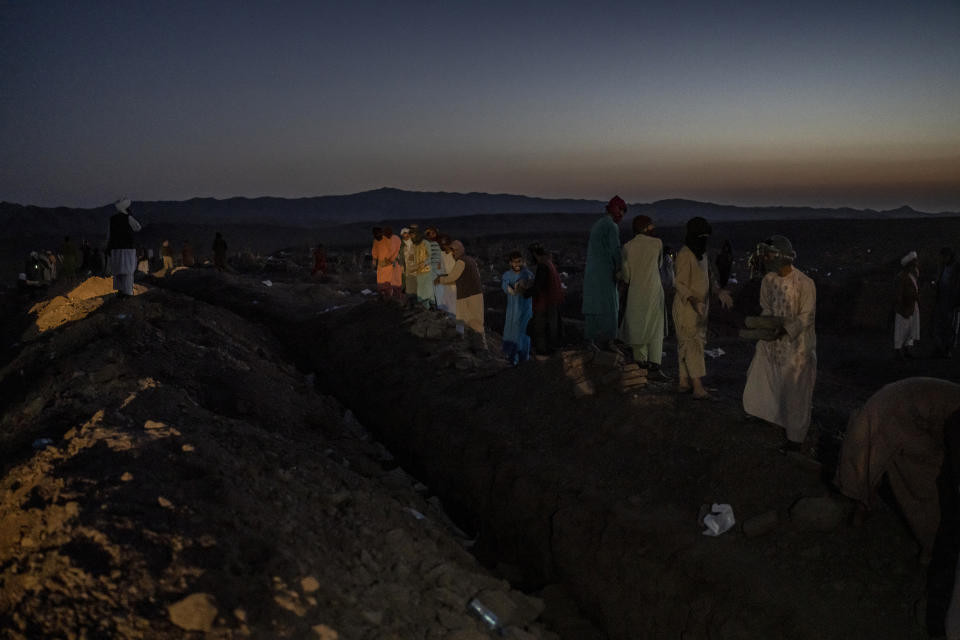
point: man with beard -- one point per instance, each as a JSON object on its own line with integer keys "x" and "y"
{"x": 643, "y": 320}
{"x": 601, "y": 301}
{"x": 693, "y": 284}
{"x": 783, "y": 371}
{"x": 466, "y": 276}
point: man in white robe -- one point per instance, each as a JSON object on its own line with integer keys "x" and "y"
{"x": 121, "y": 248}
{"x": 781, "y": 376}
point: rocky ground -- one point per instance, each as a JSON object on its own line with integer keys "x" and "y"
{"x": 168, "y": 473}
{"x": 260, "y": 454}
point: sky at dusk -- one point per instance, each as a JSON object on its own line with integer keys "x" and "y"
{"x": 839, "y": 103}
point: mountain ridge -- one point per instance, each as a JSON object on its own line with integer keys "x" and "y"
{"x": 388, "y": 203}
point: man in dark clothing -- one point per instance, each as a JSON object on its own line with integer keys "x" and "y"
{"x": 219, "y": 252}
{"x": 724, "y": 262}
{"x": 547, "y": 294}
{"x": 947, "y": 309}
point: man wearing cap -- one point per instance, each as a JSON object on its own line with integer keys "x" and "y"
{"x": 643, "y": 320}
{"x": 783, "y": 371}
{"x": 121, "y": 248}
{"x": 906, "y": 320}
{"x": 601, "y": 302}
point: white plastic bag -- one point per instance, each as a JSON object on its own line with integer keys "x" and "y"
{"x": 720, "y": 520}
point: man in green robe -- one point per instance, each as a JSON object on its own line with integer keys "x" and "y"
{"x": 601, "y": 303}
{"x": 643, "y": 320}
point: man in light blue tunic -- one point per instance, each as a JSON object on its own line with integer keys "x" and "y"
{"x": 516, "y": 342}
{"x": 601, "y": 302}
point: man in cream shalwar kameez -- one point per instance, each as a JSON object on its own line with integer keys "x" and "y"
{"x": 643, "y": 320}
{"x": 691, "y": 307}
{"x": 781, "y": 376}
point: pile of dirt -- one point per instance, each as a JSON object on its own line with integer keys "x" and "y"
{"x": 168, "y": 473}
{"x": 599, "y": 496}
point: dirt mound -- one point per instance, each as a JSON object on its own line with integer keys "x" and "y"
{"x": 599, "y": 496}
{"x": 166, "y": 470}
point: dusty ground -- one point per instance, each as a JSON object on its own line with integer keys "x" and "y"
{"x": 191, "y": 454}
{"x": 190, "y": 463}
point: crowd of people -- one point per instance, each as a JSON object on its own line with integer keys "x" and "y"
{"x": 908, "y": 432}
{"x": 432, "y": 270}
{"x": 121, "y": 257}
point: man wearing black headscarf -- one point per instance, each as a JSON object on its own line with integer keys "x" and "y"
{"x": 691, "y": 306}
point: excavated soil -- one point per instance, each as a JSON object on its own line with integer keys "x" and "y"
{"x": 262, "y": 455}
{"x": 167, "y": 473}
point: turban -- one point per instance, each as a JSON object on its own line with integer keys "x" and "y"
{"x": 122, "y": 205}
{"x": 907, "y": 259}
{"x": 616, "y": 204}
{"x": 404, "y": 230}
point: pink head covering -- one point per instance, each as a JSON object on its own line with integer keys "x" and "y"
{"x": 616, "y": 204}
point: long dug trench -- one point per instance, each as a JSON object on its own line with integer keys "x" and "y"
{"x": 600, "y": 494}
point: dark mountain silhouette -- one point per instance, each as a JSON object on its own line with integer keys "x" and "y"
{"x": 389, "y": 204}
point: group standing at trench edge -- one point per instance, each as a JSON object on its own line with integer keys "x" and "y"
{"x": 908, "y": 432}
{"x": 434, "y": 272}
{"x": 781, "y": 376}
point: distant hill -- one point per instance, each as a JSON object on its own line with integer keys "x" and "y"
{"x": 389, "y": 204}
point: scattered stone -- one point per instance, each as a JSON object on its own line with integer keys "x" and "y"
{"x": 126, "y": 477}
{"x": 152, "y": 424}
{"x": 291, "y": 603}
{"x": 309, "y": 584}
{"x": 761, "y": 524}
{"x": 325, "y": 633}
{"x": 196, "y": 612}
{"x": 188, "y": 448}
{"x": 166, "y": 504}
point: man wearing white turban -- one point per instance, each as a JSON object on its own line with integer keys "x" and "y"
{"x": 121, "y": 249}
{"x": 906, "y": 323}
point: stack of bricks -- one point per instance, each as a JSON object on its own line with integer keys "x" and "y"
{"x": 575, "y": 367}
{"x": 587, "y": 369}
